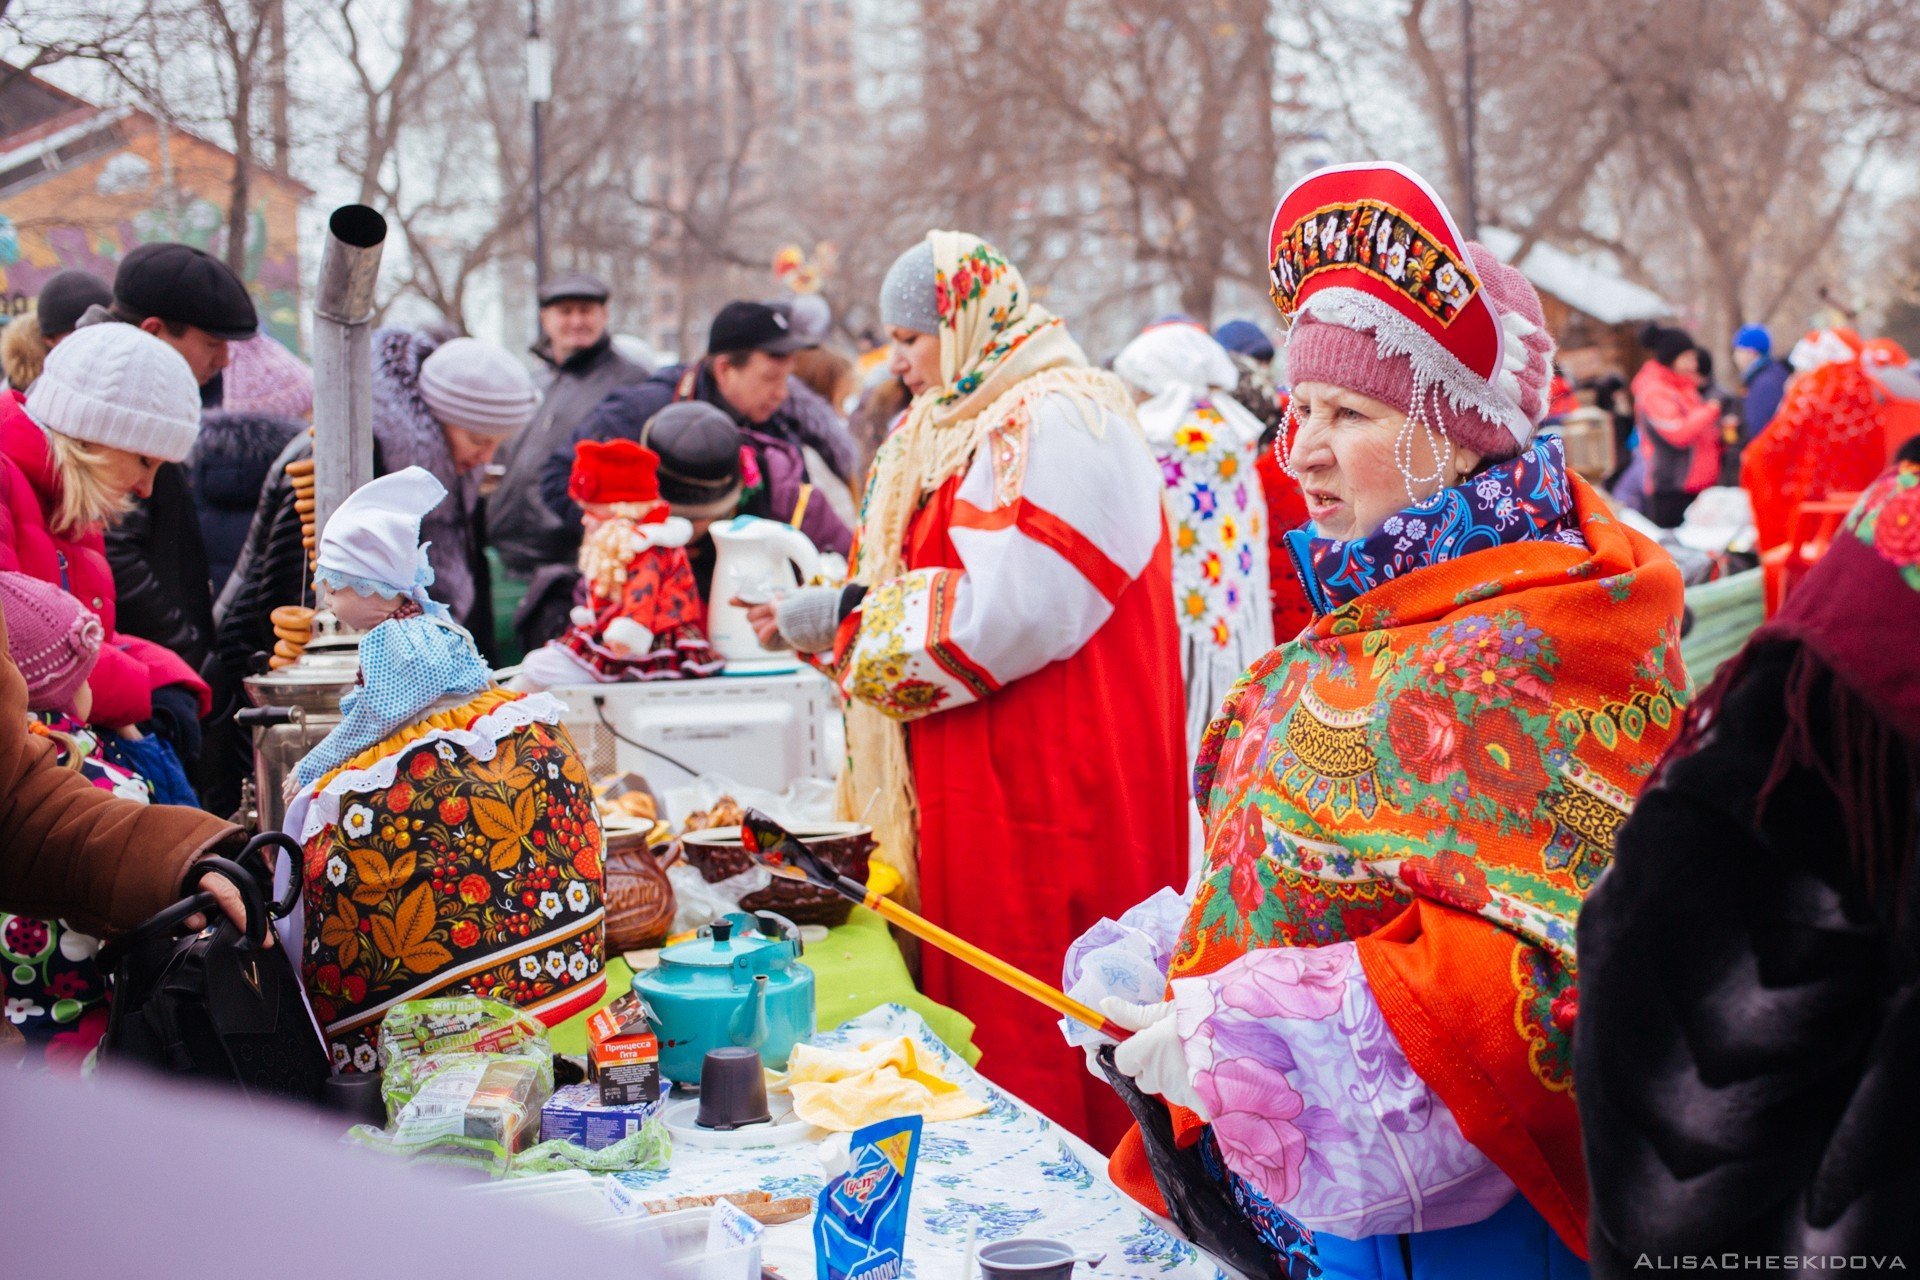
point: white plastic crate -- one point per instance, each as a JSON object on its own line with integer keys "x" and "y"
{"x": 765, "y": 731}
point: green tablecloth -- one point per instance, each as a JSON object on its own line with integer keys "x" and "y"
{"x": 507, "y": 593}
{"x": 856, "y": 969}
{"x": 1725, "y": 612}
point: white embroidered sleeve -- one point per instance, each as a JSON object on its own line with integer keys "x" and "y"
{"x": 1051, "y": 525}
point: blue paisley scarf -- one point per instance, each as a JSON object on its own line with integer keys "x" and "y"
{"x": 1524, "y": 499}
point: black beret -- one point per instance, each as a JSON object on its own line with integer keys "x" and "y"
{"x": 185, "y": 285}
{"x": 65, "y": 297}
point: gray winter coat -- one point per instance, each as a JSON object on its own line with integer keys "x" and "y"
{"x": 526, "y": 533}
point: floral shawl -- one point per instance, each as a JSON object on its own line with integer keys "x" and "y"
{"x": 1436, "y": 769}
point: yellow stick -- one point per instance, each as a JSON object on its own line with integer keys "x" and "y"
{"x": 994, "y": 967}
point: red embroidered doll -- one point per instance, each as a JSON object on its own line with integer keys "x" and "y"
{"x": 643, "y": 619}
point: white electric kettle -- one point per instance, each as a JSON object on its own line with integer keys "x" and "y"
{"x": 753, "y": 559}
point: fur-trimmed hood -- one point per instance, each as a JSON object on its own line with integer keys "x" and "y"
{"x": 406, "y": 434}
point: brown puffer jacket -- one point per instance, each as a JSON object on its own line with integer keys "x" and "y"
{"x": 72, "y": 851}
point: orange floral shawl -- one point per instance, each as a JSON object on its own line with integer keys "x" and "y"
{"x": 1437, "y": 770}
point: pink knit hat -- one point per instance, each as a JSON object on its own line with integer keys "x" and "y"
{"x": 1387, "y": 299}
{"x": 262, "y": 376}
{"x": 52, "y": 638}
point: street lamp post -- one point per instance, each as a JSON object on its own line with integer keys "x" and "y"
{"x": 539, "y": 91}
{"x": 1470, "y": 124}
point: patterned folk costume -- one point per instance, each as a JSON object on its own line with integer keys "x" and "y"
{"x": 1013, "y": 670}
{"x": 1207, "y": 444}
{"x": 1834, "y": 432}
{"x": 56, "y": 994}
{"x": 1375, "y": 985}
{"x": 451, "y": 839}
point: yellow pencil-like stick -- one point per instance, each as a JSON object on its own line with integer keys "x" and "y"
{"x": 780, "y": 852}
{"x": 991, "y": 965}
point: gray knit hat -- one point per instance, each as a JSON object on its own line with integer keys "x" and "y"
{"x": 478, "y": 386}
{"x": 908, "y": 296}
{"x": 116, "y": 385}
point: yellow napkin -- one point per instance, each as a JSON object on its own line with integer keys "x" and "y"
{"x": 843, "y": 1091}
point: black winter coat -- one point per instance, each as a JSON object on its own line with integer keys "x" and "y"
{"x": 159, "y": 560}
{"x": 803, "y": 419}
{"x": 1747, "y": 1049}
{"x": 228, "y": 469}
{"x": 527, "y": 533}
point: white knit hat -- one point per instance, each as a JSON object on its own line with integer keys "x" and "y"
{"x": 372, "y": 540}
{"x": 479, "y": 386}
{"x": 115, "y": 385}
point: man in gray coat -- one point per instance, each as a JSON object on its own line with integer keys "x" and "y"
{"x": 581, "y": 368}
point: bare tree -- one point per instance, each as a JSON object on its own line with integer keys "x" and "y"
{"x": 1149, "y": 123}
{"x": 1716, "y": 152}
{"x": 237, "y": 33}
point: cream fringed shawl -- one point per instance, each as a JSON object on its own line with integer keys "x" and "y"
{"x": 1000, "y": 354}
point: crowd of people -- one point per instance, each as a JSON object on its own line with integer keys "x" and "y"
{"x": 1296, "y": 703}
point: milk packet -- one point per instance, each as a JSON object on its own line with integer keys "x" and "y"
{"x": 860, "y": 1225}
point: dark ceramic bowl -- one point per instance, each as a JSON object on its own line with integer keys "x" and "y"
{"x": 845, "y": 846}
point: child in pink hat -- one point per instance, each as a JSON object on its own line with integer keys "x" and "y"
{"x": 54, "y": 640}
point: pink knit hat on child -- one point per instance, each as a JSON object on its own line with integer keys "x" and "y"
{"x": 1389, "y": 300}
{"x": 51, "y": 637}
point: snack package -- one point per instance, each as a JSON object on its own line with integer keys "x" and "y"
{"x": 648, "y": 1147}
{"x": 576, "y": 1114}
{"x": 464, "y": 1080}
{"x": 860, "y": 1227}
{"x": 623, "y": 1054}
{"x": 417, "y": 1036}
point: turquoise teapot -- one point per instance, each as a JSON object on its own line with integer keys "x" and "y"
{"x": 740, "y": 982}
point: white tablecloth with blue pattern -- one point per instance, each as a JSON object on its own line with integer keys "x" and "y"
{"x": 1009, "y": 1172}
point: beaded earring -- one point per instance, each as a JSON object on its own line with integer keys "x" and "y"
{"x": 1421, "y": 416}
{"x": 1282, "y": 449}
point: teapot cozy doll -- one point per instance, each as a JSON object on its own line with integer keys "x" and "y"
{"x": 450, "y": 837}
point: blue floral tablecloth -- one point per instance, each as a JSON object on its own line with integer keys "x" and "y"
{"x": 1008, "y": 1172}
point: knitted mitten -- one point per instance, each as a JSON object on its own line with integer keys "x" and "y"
{"x": 809, "y": 618}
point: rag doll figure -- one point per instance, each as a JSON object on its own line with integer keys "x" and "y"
{"x": 642, "y": 619}
{"x": 450, "y": 837}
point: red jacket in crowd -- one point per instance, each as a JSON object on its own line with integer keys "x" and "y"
{"x": 130, "y": 668}
{"x": 1679, "y": 431}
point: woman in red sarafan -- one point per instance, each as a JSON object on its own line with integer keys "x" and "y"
{"x": 1015, "y": 716}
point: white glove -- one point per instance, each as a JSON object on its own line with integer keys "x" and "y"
{"x": 674, "y": 531}
{"x": 1153, "y": 1056}
{"x": 581, "y": 616}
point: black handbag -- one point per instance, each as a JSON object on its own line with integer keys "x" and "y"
{"x": 1198, "y": 1204}
{"x": 217, "y": 1004}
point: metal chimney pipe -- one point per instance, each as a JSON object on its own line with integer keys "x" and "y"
{"x": 343, "y": 358}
